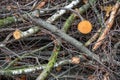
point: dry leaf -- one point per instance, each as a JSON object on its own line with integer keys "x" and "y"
{"x": 16, "y": 15}
{"x": 23, "y": 77}
{"x": 107, "y": 9}
{"x": 41, "y": 4}
{"x": 8, "y": 8}
{"x": 106, "y": 76}
{"x": 109, "y": 22}
{"x": 75, "y": 60}
{"x": 58, "y": 68}
{"x": 91, "y": 77}
{"x": 85, "y": 1}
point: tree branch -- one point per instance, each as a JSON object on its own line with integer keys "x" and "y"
{"x": 66, "y": 37}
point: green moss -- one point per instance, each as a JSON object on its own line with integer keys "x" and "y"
{"x": 50, "y": 64}
{"x": 68, "y": 22}
{"x": 6, "y": 21}
{"x": 6, "y": 72}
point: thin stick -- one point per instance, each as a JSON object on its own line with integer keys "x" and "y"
{"x": 28, "y": 69}
{"x": 66, "y": 37}
{"x": 61, "y": 12}
{"x": 50, "y": 64}
{"x": 17, "y": 34}
{"x": 21, "y": 57}
{"x": 109, "y": 24}
{"x": 81, "y": 10}
{"x": 21, "y": 34}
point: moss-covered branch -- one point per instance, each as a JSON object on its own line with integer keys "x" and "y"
{"x": 13, "y": 19}
{"x": 51, "y": 62}
{"x": 7, "y": 20}
{"x": 61, "y": 12}
{"x": 28, "y": 69}
{"x": 68, "y": 38}
{"x": 72, "y": 17}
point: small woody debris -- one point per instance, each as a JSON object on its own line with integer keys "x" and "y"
{"x": 75, "y": 60}
{"x": 17, "y": 34}
{"x": 85, "y": 27}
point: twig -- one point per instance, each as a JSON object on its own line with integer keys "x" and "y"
{"x": 50, "y": 64}
{"x": 8, "y": 51}
{"x": 71, "y": 40}
{"x": 68, "y": 21}
{"x": 7, "y": 20}
{"x": 29, "y": 69}
{"x": 116, "y": 47}
{"x": 26, "y": 54}
{"x": 44, "y": 73}
{"x": 66, "y": 37}
{"x": 72, "y": 17}
{"x": 13, "y": 19}
{"x": 93, "y": 38}
{"x": 109, "y": 24}
{"x": 59, "y": 76}
{"x": 21, "y": 34}
{"x": 61, "y": 12}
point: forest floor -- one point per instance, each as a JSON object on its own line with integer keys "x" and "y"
{"x": 59, "y": 40}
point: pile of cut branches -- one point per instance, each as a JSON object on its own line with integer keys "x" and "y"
{"x": 60, "y": 39}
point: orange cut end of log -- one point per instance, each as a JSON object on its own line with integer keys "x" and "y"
{"x": 85, "y": 27}
{"x": 17, "y": 34}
